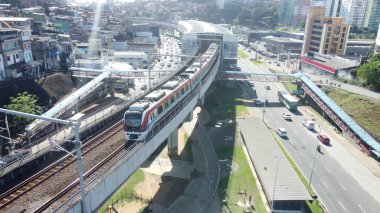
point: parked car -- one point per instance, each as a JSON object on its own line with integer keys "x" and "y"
{"x": 251, "y": 59}
{"x": 257, "y": 101}
{"x": 143, "y": 87}
{"x": 324, "y": 139}
{"x": 309, "y": 124}
{"x": 286, "y": 116}
{"x": 281, "y": 132}
{"x": 267, "y": 87}
{"x": 251, "y": 84}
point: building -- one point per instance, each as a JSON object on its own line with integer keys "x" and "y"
{"x": 193, "y": 31}
{"x": 12, "y": 52}
{"x": 359, "y": 48}
{"x": 257, "y": 35}
{"x": 372, "y": 15}
{"x": 279, "y": 45}
{"x": 329, "y": 65}
{"x": 354, "y": 12}
{"x": 377, "y": 46}
{"x": 324, "y": 35}
{"x": 45, "y": 52}
{"x": 294, "y": 12}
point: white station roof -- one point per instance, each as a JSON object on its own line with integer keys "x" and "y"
{"x": 194, "y": 27}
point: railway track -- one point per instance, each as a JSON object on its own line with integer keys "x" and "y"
{"x": 8, "y": 197}
{"x": 73, "y": 189}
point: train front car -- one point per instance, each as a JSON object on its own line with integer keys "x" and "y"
{"x": 133, "y": 119}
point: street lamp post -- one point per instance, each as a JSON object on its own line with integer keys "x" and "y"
{"x": 315, "y": 155}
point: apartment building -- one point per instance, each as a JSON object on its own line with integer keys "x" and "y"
{"x": 372, "y": 15}
{"x": 324, "y": 35}
{"x": 12, "y": 54}
{"x": 377, "y": 47}
{"x": 354, "y": 12}
{"x": 294, "y": 12}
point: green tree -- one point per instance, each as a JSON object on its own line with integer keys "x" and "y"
{"x": 244, "y": 16}
{"x": 23, "y": 102}
{"x": 370, "y": 72}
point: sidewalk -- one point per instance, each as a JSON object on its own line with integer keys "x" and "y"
{"x": 347, "y": 87}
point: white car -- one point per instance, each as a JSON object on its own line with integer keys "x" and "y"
{"x": 281, "y": 132}
{"x": 309, "y": 124}
{"x": 286, "y": 116}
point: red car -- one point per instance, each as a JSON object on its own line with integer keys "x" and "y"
{"x": 324, "y": 139}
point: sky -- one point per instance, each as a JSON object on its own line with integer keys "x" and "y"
{"x": 103, "y": 0}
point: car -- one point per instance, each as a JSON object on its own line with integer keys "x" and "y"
{"x": 238, "y": 68}
{"x": 143, "y": 87}
{"x": 324, "y": 139}
{"x": 257, "y": 101}
{"x": 169, "y": 65}
{"x": 269, "y": 62}
{"x": 308, "y": 124}
{"x": 249, "y": 51}
{"x": 251, "y": 59}
{"x": 267, "y": 87}
{"x": 251, "y": 84}
{"x": 286, "y": 116}
{"x": 281, "y": 132}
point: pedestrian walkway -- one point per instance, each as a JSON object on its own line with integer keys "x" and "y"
{"x": 328, "y": 81}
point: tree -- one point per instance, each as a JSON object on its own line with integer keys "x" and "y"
{"x": 244, "y": 16}
{"x": 370, "y": 72}
{"x": 23, "y": 102}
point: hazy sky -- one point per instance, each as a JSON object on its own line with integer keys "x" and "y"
{"x": 103, "y": 0}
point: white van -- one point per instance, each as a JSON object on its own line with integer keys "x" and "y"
{"x": 309, "y": 124}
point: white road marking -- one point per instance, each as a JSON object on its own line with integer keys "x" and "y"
{"x": 362, "y": 208}
{"x": 341, "y": 185}
{"x": 300, "y": 152}
{"x": 342, "y": 205}
{"x": 325, "y": 184}
{"x": 327, "y": 169}
{"x": 310, "y": 165}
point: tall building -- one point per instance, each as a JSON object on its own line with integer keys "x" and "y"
{"x": 354, "y": 12}
{"x": 220, "y": 4}
{"x": 377, "y": 47}
{"x": 332, "y": 7}
{"x": 372, "y": 15}
{"x": 324, "y": 35}
{"x": 294, "y": 12}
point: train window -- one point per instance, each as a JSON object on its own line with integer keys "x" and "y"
{"x": 166, "y": 105}
{"x": 177, "y": 96}
{"x": 172, "y": 99}
{"x": 159, "y": 109}
{"x": 182, "y": 91}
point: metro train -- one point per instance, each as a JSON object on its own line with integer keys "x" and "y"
{"x": 141, "y": 116}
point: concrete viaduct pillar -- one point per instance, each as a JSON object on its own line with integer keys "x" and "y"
{"x": 173, "y": 143}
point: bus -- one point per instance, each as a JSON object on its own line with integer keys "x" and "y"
{"x": 288, "y": 100}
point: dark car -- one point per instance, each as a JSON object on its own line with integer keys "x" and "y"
{"x": 324, "y": 139}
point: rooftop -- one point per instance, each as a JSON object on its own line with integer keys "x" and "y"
{"x": 14, "y": 19}
{"x": 195, "y": 27}
{"x": 330, "y": 63}
{"x": 282, "y": 39}
{"x": 266, "y": 154}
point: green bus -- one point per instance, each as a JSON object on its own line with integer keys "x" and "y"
{"x": 288, "y": 100}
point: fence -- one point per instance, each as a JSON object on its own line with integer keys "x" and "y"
{"x": 123, "y": 197}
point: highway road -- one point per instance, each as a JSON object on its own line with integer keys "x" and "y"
{"x": 335, "y": 183}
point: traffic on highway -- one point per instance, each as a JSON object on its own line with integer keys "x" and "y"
{"x": 340, "y": 181}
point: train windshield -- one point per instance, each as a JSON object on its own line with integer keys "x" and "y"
{"x": 133, "y": 119}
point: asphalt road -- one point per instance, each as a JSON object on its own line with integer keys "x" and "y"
{"x": 336, "y": 187}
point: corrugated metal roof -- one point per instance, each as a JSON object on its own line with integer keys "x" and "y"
{"x": 288, "y": 184}
{"x": 358, "y": 130}
{"x": 70, "y": 100}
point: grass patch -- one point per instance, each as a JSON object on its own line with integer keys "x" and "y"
{"x": 226, "y": 103}
{"x": 242, "y": 54}
{"x": 257, "y": 62}
{"x": 290, "y": 86}
{"x": 313, "y": 206}
{"x": 237, "y": 181}
{"x": 126, "y": 191}
{"x": 367, "y": 115}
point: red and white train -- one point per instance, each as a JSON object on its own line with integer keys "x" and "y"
{"x": 141, "y": 116}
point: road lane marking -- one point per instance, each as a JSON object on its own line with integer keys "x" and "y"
{"x": 325, "y": 184}
{"x": 341, "y": 185}
{"x": 362, "y": 208}
{"x": 342, "y": 206}
{"x": 310, "y": 165}
{"x": 300, "y": 152}
{"x": 328, "y": 169}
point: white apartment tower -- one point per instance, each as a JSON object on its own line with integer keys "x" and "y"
{"x": 354, "y": 12}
